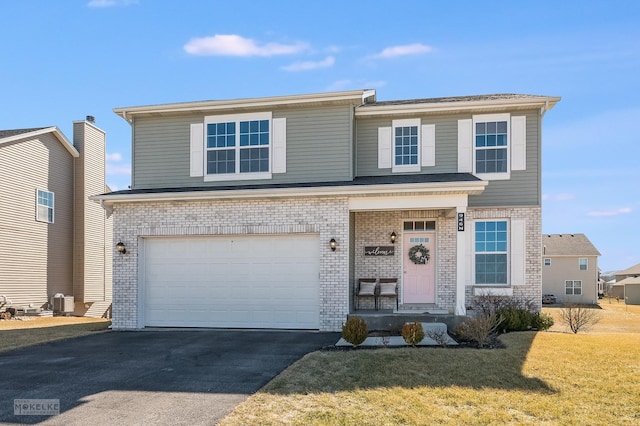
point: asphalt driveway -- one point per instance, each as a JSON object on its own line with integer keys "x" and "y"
{"x": 149, "y": 377}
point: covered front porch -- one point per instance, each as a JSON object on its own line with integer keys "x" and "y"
{"x": 416, "y": 242}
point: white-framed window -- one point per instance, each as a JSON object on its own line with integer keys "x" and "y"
{"x": 45, "y": 206}
{"x": 491, "y": 150}
{"x": 406, "y": 145}
{"x": 491, "y": 252}
{"x": 573, "y": 287}
{"x": 238, "y": 146}
{"x": 583, "y": 263}
{"x": 547, "y": 261}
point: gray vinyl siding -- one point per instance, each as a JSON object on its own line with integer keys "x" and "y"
{"x": 522, "y": 189}
{"x": 91, "y": 233}
{"x": 35, "y": 257}
{"x": 319, "y": 148}
{"x": 446, "y": 144}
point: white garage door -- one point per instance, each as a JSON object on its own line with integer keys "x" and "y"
{"x": 233, "y": 281}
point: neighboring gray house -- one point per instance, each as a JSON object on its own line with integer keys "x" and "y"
{"x": 52, "y": 237}
{"x": 570, "y": 268}
{"x": 627, "y": 285}
{"x": 265, "y": 212}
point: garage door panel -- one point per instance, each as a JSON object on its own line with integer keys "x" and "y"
{"x": 234, "y": 281}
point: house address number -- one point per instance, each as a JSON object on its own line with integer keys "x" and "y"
{"x": 461, "y": 222}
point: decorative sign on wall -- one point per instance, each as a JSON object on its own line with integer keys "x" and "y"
{"x": 460, "y": 221}
{"x": 379, "y": 250}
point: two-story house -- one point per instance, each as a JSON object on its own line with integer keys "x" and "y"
{"x": 570, "y": 268}
{"x": 263, "y": 212}
{"x": 53, "y": 239}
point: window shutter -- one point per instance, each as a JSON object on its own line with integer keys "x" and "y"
{"x": 518, "y": 251}
{"x": 384, "y": 148}
{"x": 465, "y": 146}
{"x": 519, "y": 143}
{"x": 279, "y": 145}
{"x": 197, "y": 150}
{"x": 428, "y": 145}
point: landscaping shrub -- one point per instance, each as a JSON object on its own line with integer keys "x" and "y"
{"x": 412, "y": 333}
{"x": 355, "y": 331}
{"x": 480, "y": 328}
{"x": 515, "y": 319}
{"x": 542, "y": 321}
{"x": 578, "y": 317}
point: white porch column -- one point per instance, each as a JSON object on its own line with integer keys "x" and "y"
{"x": 461, "y": 262}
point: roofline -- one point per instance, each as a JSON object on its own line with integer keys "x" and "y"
{"x": 470, "y": 188}
{"x": 572, "y": 255}
{"x": 53, "y": 129}
{"x": 543, "y": 102}
{"x": 360, "y": 95}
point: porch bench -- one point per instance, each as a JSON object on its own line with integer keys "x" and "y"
{"x": 366, "y": 287}
{"x": 388, "y": 288}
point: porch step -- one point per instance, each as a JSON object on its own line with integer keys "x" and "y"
{"x": 387, "y": 321}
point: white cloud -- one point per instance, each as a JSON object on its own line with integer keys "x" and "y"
{"x": 347, "y": 84}
{"x": 235, "y": 45}
{"x": 559, "y": 197}
{"x": 115, "y": 156}
{"x": 604, "y": 213}
{"x": 340, "y": 85}
{"x": 110, "y": 3}
{"x": 119, "y": 169}
{"x": 310, "y": 65}
{"x": 404, "y": 50}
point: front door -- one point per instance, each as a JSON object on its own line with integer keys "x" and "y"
{"x": 419, "y": 283}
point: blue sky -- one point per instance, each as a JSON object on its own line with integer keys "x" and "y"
{"x": 63, "y": 60}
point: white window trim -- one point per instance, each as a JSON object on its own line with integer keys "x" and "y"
{"x": 547, "y": 261}
{"x": 586, "y": 264}
{"x": 237, "y": 175}
{"x": 573, "y": 287}
{"x": 473, "y": 253}
{"x": 412, "y": 167}
{"x": 482, "y": 119}
{"x": 53, "y": 208}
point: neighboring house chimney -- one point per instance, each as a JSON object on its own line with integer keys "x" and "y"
{"x": 92, "y": 266}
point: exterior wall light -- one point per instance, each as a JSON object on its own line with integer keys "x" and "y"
{"x": 393, "y": 238}
{"x": 333, "y": 244}
{"x": 121, "y": 248}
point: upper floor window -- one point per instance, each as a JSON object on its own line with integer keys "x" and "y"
{"x": 238, "y": 144}
{"x": 406, "y": 145}
{"x": 583, "y": 263}
{"x": 491, "y": 252}
{"x": 547, "y": 261}
{"x": 44, "y": 207}
{"x": 492, "y": 145}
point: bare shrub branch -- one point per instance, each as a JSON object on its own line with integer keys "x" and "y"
{"x": 578, "y": 317}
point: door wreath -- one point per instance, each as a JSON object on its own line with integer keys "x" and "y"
{"x": 419, "y": 254}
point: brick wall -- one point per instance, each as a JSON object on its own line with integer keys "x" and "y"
{"x": 328, "y": 217}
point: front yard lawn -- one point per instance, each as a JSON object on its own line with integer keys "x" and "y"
{"x": 16, "y": 334}
{"x": 539, "y": 378}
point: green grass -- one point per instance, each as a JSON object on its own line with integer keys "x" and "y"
{"x": 539, "y": 378}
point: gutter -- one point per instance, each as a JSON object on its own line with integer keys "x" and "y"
{"x": 469, "y": 188}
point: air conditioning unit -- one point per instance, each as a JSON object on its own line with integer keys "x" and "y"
{"x": 62, "y": 304}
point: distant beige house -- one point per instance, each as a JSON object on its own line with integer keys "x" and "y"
{"x": 570, "y": 268}
{"x": 627, "y": 285}
{"x": 53, "y": 239}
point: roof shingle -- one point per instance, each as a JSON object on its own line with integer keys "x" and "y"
{"x": 568, "y": 245}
